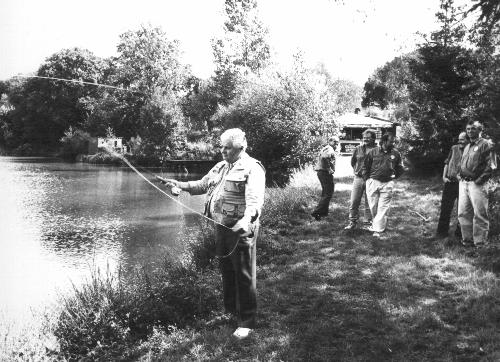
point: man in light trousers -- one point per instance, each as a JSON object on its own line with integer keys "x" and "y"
{"x": 359, "y": 184}
{"x": 475, "y": 170}
{"x": 381, "y": 166}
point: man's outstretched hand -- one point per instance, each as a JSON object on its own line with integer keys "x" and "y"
{"x": 168, "y": 181}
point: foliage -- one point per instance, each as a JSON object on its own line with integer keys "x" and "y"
{"x": 493, "y": 188}
{"x": 149, "y": 66}
{"x": 286, "y": 116}
{"x": 281, "y": 205}
{"x": 43, "y": 109}
{"x": 91, "y": 322}
{"x": 104, "y": 317}
{"x": 74, "y": 142}
{"x": 434, "y": 91}
{"x": 244, "y": 47}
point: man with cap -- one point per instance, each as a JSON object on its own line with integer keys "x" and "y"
{"x": 359, "y": 184}
{"x": 475, "y": 170}
{"x": 450, "y": 188}
{"x": 325, "y": 168}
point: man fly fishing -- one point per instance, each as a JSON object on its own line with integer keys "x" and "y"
{"x": 234, "y": 191}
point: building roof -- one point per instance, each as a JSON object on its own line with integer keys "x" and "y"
{"x": 358, "y": 121}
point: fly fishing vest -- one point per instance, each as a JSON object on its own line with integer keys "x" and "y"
{"x": 226, "y": 188}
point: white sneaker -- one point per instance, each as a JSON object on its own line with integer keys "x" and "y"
{"x": 351, "y": 226}
{"x": 241, "y": 332}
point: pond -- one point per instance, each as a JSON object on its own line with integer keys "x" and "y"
{"x": 59, "y": 221}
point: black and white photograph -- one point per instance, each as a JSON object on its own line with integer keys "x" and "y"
{"x": 249, "y": 180}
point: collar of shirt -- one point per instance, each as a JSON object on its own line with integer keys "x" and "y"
{"x": 472, "y": 143}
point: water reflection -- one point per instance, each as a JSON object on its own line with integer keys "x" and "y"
{"x": 60, "y": 220}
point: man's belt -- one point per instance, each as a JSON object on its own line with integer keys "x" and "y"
{"x": 467, "y": 179}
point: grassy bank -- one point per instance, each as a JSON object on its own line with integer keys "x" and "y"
{"x": 324, "y": 294}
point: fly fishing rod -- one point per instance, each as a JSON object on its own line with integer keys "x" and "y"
{"x": 175, "y": 192}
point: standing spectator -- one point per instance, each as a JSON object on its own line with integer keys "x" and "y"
{"x": 359, "y": 184}
{"x": 381, "y": 166}
{"x": 450, "y": 189}
{"x": 325, "y": 168}
{"x": 475, "y": 170}
{"x": 235, "y": 190}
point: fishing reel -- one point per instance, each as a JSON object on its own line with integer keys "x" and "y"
{"x": 174, "y": 189}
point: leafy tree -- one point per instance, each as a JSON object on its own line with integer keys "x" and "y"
{"x": 284, "y": 116}
{"x": 200, "y": 103}
{"x": 244, "y": 46}
{"x": 149, "y": 67}
{"x": 44, "y": 109}
{"x": 430, "y": 91}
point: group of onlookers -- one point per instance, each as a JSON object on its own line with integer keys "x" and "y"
{"x": 375, "y": 169}
{"x": 467, "y": 168}
{"x": 235, "y": 189}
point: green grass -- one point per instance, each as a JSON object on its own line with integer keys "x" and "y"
{"x": 330, "y": 295}
{"x": 326, "y": 294}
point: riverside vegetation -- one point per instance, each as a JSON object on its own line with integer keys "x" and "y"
{"x": 324, "y": 294}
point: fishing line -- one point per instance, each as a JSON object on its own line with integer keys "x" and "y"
{"x": 77, "y": 81}
{"x": 127, "y": 162}
{"x": 121, "y": 157}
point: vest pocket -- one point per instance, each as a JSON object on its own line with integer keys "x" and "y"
{"x": 232, "y": 210}
{"x": 234, "y": 185}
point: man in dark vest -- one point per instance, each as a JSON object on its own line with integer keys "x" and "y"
{"x": 325, "y": 168}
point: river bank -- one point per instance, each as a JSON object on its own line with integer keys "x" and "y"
{"x": 326, "y": 294}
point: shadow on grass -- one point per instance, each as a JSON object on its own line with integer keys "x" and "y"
{"x": 340, "y": 295}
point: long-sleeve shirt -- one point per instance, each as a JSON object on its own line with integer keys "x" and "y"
{"x": 476, "y": 161}
{"x": 358, "y": 158}
{"x": 382, "y": 165}
{"x": 453, "y": 161}
{"x": 326, "y": 160}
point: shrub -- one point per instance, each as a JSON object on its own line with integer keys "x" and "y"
{"x": 285, "y": 116}
{"x": 74, "y": 142}
{"x": 102, "y": 318}
{"x": 282, "y": 204}
{"x": 91, "y": 320}
{"x": 494, "y": 206}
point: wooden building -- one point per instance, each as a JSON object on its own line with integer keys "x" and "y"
{"x": 352, "y": 126}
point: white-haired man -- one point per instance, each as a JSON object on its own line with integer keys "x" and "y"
{"x": 475, "y": 170}
{"x": 325, "y": 168}
{"x": 234, "y": 191}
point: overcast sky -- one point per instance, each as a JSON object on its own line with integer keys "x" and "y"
{"x": 351, "y": 37}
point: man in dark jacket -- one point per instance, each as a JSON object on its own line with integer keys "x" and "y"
{"x": 450, "y": 189}
{"x": 475, "y": 169}
{"x": 381, "y": 166}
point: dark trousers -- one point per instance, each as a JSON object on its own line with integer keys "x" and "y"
{"x": 450, "y": 194}
{"x": 238, "y": 274}
{"x": 327, "y": 187}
